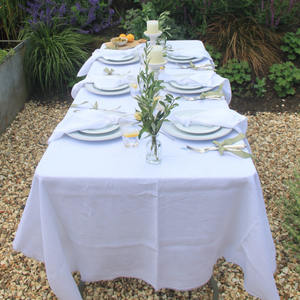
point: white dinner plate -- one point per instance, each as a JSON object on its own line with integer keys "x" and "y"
{"x": 186, "y": 61}
{"x": 90, "y": 87}
{"x": 173, "y": 89}
{"x": 106, "y": 129}
{"x": 170, "y": 128}
{"x": 185, "y": 86}
{"x": 181, "y": 57}
{"x": 194, "y": 128}
{"x": 111, "y": 62}
{"x": 102, "y": 88}
{"x": 95, "y": 137}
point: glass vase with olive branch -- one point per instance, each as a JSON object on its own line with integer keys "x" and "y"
{"x": 150, "y": 113}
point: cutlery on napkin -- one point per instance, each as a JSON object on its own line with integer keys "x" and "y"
{"x": 226, "y": 145}
{"x": 197, "y": 67}
{"x": 84, "y": 119}
{"x": 214, "y": 95}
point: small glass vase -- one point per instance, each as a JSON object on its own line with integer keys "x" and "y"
{"x": 153, "y": 150}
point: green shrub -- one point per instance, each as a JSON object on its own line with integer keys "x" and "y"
{"x": 238, "y": 74}
{"x": 292, "y": 44}
{"x": 215, "y": 55}
{"x": 260, "y": 87}
{"x": 136, "y": 22}
{"x": 198, "y": 14}
{"x": 285, "y": 76}
{"x": 5, "y": 53}
{"x": 56, "y": 53}
{"x": 292, "y": 213}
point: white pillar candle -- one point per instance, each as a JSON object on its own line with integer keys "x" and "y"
{"x": 152, "y": 27}
{"x": 156, "y": 54}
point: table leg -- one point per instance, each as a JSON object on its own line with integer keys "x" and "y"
{"x": 81, "y": 288}
{"x": 215, "y": 288}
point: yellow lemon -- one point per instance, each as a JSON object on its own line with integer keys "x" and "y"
{"x": 130, "y": 37}
{"x": 131, "y": 134}
{"x": 133, "y": 85}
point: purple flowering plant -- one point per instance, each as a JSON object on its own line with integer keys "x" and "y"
{"x": 89, "y": 16}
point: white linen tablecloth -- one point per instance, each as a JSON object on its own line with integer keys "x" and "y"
{"x": 99, "y": 208}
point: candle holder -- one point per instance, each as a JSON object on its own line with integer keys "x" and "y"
{"x": 156, "y": 67}
{"x": 153, "y": 36}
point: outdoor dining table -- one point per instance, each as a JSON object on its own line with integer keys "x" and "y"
{"x": 99, "y": 208}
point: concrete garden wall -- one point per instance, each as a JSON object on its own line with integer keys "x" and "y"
{"x": 13, "y": 91}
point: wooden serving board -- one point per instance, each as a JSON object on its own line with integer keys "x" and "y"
{"x": 127, "y": 45}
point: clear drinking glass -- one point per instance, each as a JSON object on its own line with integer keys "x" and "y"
{"x": 134, "y": 87}
{"x": 130, "y": 130}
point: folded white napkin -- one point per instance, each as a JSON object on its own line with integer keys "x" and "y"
{"x": 100, "y": 81}
{"x": 193, "y": 52}
{"x": 220, "y": 117}
{"x": 83, "y": 119}
{"x": 199, "y": 78}
{"x": 107, "y": 54}
{"x": 214, "y": 80}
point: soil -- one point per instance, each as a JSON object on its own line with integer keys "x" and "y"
{"x": 270, "y": 102}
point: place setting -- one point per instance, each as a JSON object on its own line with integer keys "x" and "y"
{"x": 89, "y": 125}
{"x": 204, "y": 125}
{"x": 190, "y": 82}
{"x": 105, "y": 84}
{"x": 110, "y": 56}
{"x": 185, "y": 56}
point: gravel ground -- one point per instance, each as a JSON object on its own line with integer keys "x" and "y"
{"x": 274, "y": 138}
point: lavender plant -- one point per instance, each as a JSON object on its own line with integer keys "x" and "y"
{"x": 90, "y": 16}
{"x": 273, "y": 12}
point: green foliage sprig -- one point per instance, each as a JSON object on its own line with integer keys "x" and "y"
{"x": 292, "y": 44}
{"x": 4, "y": 53}
{"x": 260, "y": 87}
{"x": 238, "y": 74}
{"x": 152, "y": 119}
{"x": 285, "y": 77}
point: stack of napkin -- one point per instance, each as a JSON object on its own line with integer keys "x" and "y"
{"x": 84, "y": 119}
{"x": 107, "y": 54}
{"x": 100, "y": 82}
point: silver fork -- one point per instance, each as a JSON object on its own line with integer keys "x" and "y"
{"x": 204, "y": 150}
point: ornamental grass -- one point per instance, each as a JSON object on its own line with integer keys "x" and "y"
{"x": 56, "y": 53}
{"x": 243, "y": 39}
